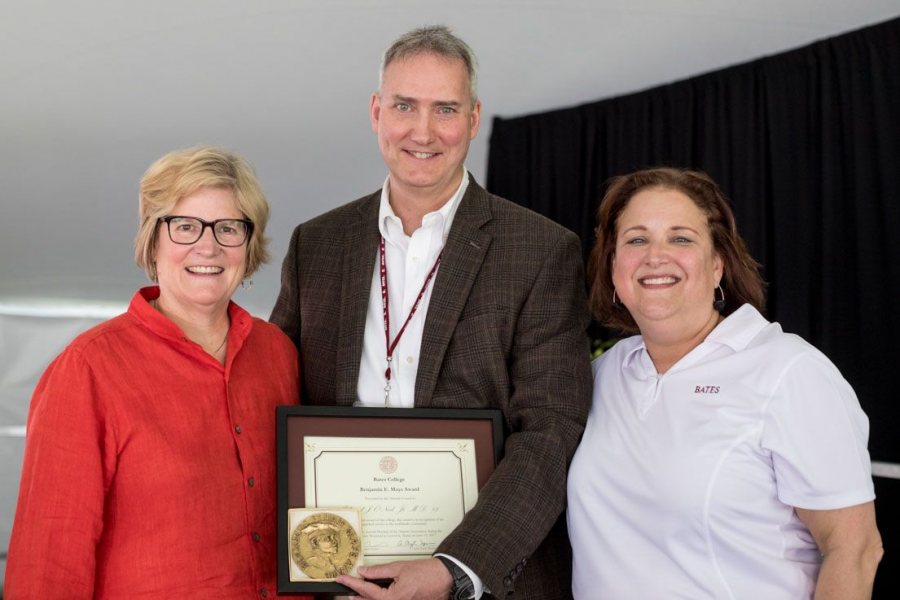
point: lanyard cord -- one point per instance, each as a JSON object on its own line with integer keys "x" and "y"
{"x": 390, "y": 346}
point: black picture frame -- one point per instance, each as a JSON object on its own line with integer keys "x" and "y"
{"x": 485, "y": 426}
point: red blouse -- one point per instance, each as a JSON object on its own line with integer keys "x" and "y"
{"x": 149, "y": 467}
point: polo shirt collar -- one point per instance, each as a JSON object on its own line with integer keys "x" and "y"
{"x": 736, "y": 331}
{"x": 638, "y": 361}
{"x": 739, "y": 328}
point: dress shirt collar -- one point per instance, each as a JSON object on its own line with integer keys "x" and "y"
{"x": 389, "y": 223}
{"x": 148, "y": 317}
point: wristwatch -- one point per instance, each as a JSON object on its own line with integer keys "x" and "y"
{"x": 463, "y": 588}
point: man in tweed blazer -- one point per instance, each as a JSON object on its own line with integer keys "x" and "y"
{"x": 500, "y": 325}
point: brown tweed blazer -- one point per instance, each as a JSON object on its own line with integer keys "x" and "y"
{"x": 505, "y": 329}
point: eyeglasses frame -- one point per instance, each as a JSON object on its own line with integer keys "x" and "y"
{"x": 211, "y": 224}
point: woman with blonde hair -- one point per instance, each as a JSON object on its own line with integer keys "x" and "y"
{"x": 149, "y": 465}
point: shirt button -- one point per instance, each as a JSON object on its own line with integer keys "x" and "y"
{"x": 237, "y": 429}
{"x": 255, "y": 536}
{"x": 409, "y": 359}
{"x": 415, "y": 259}
{"x": 251, "y": 482}
{"x": 263, "y": 592}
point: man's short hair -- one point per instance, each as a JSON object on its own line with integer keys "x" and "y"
{"x": 433, "y": 39}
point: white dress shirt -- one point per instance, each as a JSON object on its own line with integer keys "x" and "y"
{"x": 408, "y": 260}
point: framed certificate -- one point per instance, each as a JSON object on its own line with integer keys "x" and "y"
{"x": 412, "y": 473}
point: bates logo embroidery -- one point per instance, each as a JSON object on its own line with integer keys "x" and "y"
{"x": 706, "y": 389}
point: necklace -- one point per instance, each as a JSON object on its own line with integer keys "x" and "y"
{"x": 390, "y": 346}
{"x": 155, "y": 304}
{"x": 225, "y": 339}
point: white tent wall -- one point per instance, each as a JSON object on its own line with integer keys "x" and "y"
{"x": 94, "y": 91}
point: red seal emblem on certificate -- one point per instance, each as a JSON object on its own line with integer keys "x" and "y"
{"x": 387, "y": 464}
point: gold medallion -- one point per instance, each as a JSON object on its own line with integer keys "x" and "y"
{"x": 325, "y": 545}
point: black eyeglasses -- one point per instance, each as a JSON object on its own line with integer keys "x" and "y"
{"x": 187, "y": 230}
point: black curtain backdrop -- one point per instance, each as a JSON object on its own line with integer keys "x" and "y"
{"x": 807, "y": 146}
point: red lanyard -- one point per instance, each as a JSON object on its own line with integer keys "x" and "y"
{"x": 390, "y": 346}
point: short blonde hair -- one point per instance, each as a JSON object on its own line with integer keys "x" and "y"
{"x": 179, "y": 174}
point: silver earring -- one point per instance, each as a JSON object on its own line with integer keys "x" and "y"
{"x": 719, "y": 304}
{"x": 247, "y": 283}
{"x": 614, "y": 297}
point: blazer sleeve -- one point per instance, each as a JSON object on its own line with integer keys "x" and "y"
{"x": 550, "y": 381}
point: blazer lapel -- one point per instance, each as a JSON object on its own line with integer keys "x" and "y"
{"x": 464, "y": 253}
{"x": 360, "y": 249}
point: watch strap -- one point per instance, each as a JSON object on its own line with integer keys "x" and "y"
{"x": 462, "y": 588}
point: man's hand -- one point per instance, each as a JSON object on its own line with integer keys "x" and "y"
{"x": 426, "y": 579}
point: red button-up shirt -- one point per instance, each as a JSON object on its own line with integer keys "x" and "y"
{"x": 150, "y": 467}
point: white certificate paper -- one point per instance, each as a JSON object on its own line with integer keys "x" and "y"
{"x": 410, "y": 492}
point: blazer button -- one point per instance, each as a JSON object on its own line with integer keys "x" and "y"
{"x": 507, "y": 581}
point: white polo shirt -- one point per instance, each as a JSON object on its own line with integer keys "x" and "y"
{"x": 684, "y": 483}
